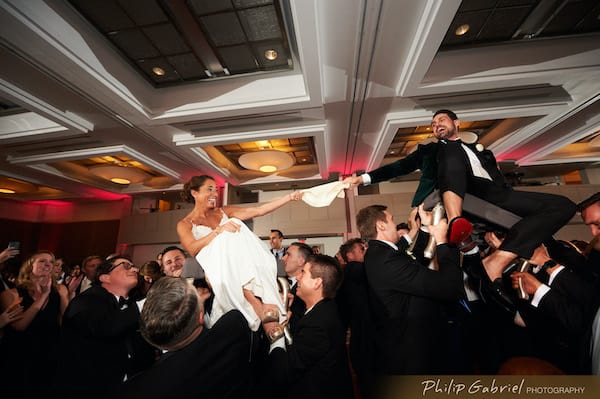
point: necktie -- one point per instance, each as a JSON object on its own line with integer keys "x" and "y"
{"x": 122, "y": 302}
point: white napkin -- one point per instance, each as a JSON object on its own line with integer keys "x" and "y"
{"x": 324, "y": 194}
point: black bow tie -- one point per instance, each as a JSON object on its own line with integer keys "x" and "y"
{"x": 122, "y": 302}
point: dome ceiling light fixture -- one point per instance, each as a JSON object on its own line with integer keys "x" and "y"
{"x": 267, "y": 161}
{"x": 120, "y": 174}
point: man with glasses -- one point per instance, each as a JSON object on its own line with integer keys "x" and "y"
{"x": 98, "y": 332}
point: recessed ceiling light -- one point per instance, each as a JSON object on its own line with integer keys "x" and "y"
{"x": 118, "y": 180}
{"x": 461, "y": 30}
{"x": 6, "y": 191}
{"x": 271, "y": 54}
{"x": 158, "y": 71}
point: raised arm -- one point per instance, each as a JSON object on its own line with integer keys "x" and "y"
{"x": 263, "y": 209}
{"x": 8, "y": 297}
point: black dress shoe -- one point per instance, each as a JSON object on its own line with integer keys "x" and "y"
{"x": 494, "y": 291}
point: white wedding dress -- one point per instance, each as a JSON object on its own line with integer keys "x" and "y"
{"x": 232, "y": 262}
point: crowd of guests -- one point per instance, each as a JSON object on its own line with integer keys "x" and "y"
{"x": 222, "y": 316}
{"x": 134, "y": 326}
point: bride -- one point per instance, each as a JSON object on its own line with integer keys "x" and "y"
{"x": 239, "y": 268}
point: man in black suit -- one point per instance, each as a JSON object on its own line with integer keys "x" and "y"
{"x": 590, "y": 213}
{"x": 406, "y": 298}
{"x": 294, "y": 259}
{"x": 88, "y": 270}
{"x": 555, "y": 311}
{"x": 198, "y": 362}
{"x": 278, "y": 250}
{"x": 315, "y": 365}
{"x": 468, "y": 168}
{"x": 98, "y": 329}
{"x": 353, "y": 302}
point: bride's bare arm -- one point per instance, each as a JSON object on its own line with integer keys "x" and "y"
{"x": 193, "y": 245}
{"x": 189, "y": 243}
{"x": 263, "y": 209}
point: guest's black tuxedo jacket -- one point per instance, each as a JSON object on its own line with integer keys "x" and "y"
{"x": 315, "y": 365}
{"x": 214, "y": 365}
{"x": 407, "y": 300}
{"x": 593, "y": 306}
{"x": 557, "y": 324}
{"x": 298, "y": 308}
{"x": 353, "y": 302}
{"x": 95, "y": 338}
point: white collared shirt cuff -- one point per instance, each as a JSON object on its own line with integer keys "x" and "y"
{"x": 472, "y": 251}
{"x": 554, "y": 274}
{"x": 366, "y": 179}
{"x": 539, "y": 294}
{"x": 280, "y": 343}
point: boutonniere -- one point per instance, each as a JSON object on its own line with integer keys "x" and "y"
{"x": 479, "y": 147}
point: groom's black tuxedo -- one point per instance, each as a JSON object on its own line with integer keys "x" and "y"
{"x": 541, "y": 214}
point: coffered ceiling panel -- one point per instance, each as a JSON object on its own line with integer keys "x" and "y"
{"x": 176, "y": 88}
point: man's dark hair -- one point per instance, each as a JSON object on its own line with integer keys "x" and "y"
{"x": 348, "y": 246}
{"x": 451, "y": 114}
{"x": 328, "y": 269}
{"x": 402, "y": 225}
{"x": 107, "y": 265}
{"x": 278, "y": 232}
{"x": 172, "y": 248}
{"x": 304, "y": 249}
{"x": 367, "y": 218}
{"x": 588, "y": 202}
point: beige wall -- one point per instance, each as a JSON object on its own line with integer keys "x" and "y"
{"x": 298, "y": 219}
{"x": 327, "y": 226}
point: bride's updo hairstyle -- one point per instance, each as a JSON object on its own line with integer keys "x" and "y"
{"x": 193, "y": 184}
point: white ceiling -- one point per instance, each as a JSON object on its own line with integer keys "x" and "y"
{"x": 362, "y": 70}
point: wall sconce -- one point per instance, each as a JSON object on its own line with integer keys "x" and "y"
{"x": 267, "y": 161}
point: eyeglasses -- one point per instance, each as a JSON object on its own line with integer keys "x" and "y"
{"x": 126, "y": 265}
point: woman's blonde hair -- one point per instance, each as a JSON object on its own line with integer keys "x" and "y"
{"x": 24, "y": 277}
